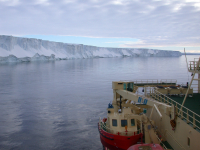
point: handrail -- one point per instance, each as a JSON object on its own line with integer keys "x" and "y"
{"x": 193, "y": 64}
{"x": 168, "y": 81}
{"x": 180, "y": 104}
{"x": 143, "y": 81}
{"x": 146, "y": 81}
{"x": 103, "y": 126}
{"x": 167, "y": 100}
{"x": 124, "y": 133}
{"x": 162, "y": 98}
{"x": 155, "y": 81}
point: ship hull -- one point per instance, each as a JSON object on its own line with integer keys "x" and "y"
{"x": 118, "y": 142}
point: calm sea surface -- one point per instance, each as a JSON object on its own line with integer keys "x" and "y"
{"x": 56, "y": 105}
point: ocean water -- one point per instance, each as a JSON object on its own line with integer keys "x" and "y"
{"x": 56, "y": 105}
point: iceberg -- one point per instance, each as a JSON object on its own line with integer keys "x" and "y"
{"x": 18, "y": 49}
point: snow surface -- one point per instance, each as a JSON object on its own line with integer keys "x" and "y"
{"x": 17, "y": 49}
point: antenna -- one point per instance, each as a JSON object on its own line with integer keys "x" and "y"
{"x": 186, "y": 59}
{"x": 186, "y": 64}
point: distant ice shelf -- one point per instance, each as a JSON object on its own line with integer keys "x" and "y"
{"x": 17, "y": 49}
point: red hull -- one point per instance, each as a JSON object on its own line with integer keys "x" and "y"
{"x": 117, "y": 142}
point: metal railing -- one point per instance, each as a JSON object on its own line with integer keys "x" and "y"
{"x": 195, "y": 87}
{"x": 194, "y": 67}
{"x": 145, "y": 81}
{"x": 169, "y": 81}
{"x": 184, "y": 113}
{"x": 194, "y": 64}
{"x": 103, "y": 126}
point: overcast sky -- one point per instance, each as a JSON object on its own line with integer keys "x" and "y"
{"x": 161, "y": 24}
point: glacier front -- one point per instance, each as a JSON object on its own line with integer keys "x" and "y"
{"x": 20, "y": 49}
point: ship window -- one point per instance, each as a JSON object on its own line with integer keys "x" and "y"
{"x": 130, "y": 87}
{"x": 188, "y": 141}
{"x": 124, "y": 86}
{"x": 123, "y": 123}
{"x": 132, "y": 122}
{"x": 114, "y": 122}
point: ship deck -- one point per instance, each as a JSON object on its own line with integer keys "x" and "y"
{"x": 192, "y": 103}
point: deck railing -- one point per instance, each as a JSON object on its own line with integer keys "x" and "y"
{"x": 169, "y": 81}
{"x": 154, "y": 81}
{"x": 193, "y": 65}
{"x": 184, "y": 113}
{"x": 145, "y": 81}
{"x": 103, "y": 126}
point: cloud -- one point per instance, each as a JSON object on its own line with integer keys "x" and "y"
{"x": 154, "y": 22}
{"x": 10, "y": 2}
{"x": 42, "y": 2}
{"x": 128, "y": 43}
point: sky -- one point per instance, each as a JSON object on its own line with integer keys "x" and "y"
{"x": 157, "y": 24}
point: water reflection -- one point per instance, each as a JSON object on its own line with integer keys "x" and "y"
{"x": 56, "y": 105}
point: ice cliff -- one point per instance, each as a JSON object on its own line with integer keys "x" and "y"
{"x": 19, "y": 49}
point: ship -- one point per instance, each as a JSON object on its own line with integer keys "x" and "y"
{"x": 153, "y": 114}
